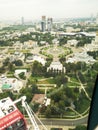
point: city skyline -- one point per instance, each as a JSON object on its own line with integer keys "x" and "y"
{"x": 34, "y": 9}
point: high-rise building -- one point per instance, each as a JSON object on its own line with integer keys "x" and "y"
{"x": 44, "y": 18}
{"x": 43, "y": 24}
{"x": 97, "y": 19}
{"x": 92, "y": 17}
{"x": 49, "y": 24}
{"x": 22, "y": 20}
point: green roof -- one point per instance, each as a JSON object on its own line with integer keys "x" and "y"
{"x": 6, "y": 86}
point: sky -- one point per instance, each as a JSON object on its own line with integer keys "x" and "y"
{"x": 34, "y": 9}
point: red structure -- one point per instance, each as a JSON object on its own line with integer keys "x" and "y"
{"x": 10, "y": 117}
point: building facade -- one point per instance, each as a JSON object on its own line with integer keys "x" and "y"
{"x": 43, "y": 24}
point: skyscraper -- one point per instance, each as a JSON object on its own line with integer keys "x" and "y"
{"x": 22, "y": 20}
{"x": 49, "y": 24}
{"x": 43, "y": 24}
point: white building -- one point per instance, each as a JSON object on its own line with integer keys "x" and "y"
{"x": 43, "y": 43}
{"x": 94, "y": 45}
{"x": 17, "y": 56}
{"x": 82, "y": 57}
{"x": 30, "y": 44}
{"x": 39, "y": 59}
{"x": 18, "y": 45}
{"x": 33, "y": 58}
{"x": 12, "y": 84}
{"x": 56, "y": 65}
{"x": 72, "y": 42}
{"x": 69, "y": 29}
{"x": 18, "y": 71}
{"x": 55, "y": 41}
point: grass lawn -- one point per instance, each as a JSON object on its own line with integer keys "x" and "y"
{"x": 10, "y": 75}
{"x": 46, "y": 81}
{"x": 73, "y": 85}
{"x": 35, "y": 78}
{"x": 11, "y": 51}
{"x": 74, "y": 79}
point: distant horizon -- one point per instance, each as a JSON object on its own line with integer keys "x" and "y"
{"x": 57, "y": 9}
{"x": 39, "y": 19}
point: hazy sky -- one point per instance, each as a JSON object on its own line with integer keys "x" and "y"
{"x": 34, "y": 9}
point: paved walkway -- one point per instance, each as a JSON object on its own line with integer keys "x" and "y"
{"x": 82, "y": 87}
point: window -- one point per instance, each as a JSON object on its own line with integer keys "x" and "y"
{"x": 19, "y": 125}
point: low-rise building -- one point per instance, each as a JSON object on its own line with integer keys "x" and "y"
{"x": 43, "y": 43}
{"x": 11, "y": 84}
{"x": 41, "y": 99}
{"x": 72, "y": 42}
{"x": 17, "y": 56}
{"x": 18, "y": 71}
{"x": 55, "y": 41}
{"x": 38, "y": 98}
{"x": 30, "y": 44}
{"x": 38, "y": 58}
{"x": 82, "y": 57}
{"x": 56, "y": 66}
{"x": 94, "y": 45}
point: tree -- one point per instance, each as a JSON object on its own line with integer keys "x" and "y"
{"x": 7, "y": 94}
{"x": 27, "y": 92}
{"x": 2, "y": 69}
{"x": 24, "y": 38}
{"x": 84, "y": 40}
{"x": 80, "y": 127}
{"x": 11, "y": 67}
{"x": 63, "y": 41}
{"x": 22, "y": 75}
{"x": 95, "y": 66}
{"x": 62, "y": 58}
{"x": 81, "y": 77}
{"x": 34, "y": 106}
{"x": 6, "y": 62}
{"x": 38, "y": 69}
{"x": 5, "y": 43}
{"x": 61, "y": 79}
{"x": 35, "y": 89}
{"x": 18, "y": 62}
{"x": 48, "y": 112}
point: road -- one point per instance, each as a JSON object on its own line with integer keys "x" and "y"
{"x": 60, "y": 123}
{"x": 65, "y": 122}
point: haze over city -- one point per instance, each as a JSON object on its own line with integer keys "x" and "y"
{"x": 34, "y": 9}
{"x": 48, "y": 63}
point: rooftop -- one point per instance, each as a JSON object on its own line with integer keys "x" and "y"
{"x": 39, "y": 98}
{"x": 56, "y": 65}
